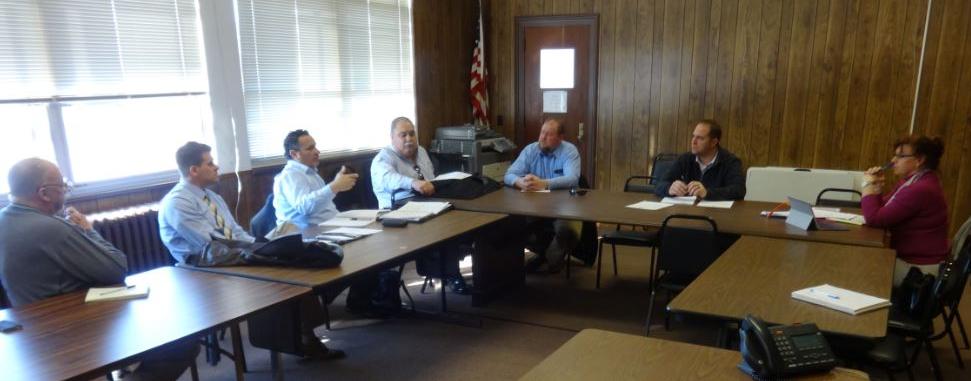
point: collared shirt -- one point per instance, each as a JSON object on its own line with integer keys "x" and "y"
{"x": 561, "y": 167}
{"x": 186, "y": 223}
{"x": 301, "y": 196}
{"x": 392, "y": 173}
{"x": 704, "y": 167}
{"x": 43, "y": 256}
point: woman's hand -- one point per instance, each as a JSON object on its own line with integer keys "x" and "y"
{"x": 873, "y": 180}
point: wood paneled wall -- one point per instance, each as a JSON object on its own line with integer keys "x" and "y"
{"x": 443, "y": 42}
{"x": 804, "y": 83}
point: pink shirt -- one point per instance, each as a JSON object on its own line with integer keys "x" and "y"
{"x": 916, "y": 217}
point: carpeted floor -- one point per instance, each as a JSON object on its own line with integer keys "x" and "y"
{"x": 516, "y": 332}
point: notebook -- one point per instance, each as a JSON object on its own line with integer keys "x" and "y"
{"x": 840, "y": 299}
{"x": 100, "y": 294}
{"x": 417, "y": 211}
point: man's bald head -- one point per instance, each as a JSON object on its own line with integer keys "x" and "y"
{"x": 28, "y": 175}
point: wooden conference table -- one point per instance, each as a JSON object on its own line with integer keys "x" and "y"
{"x": 757, "y": 275}
{"x": 610, "y": 207}
{"x": 601, "y": 355}
{"x": 65, "y": 338}
{"x": 380, "y": 250}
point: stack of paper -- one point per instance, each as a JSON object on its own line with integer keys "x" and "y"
{"x": 827, "y": 213}
{"x": 839, "y": 299}
{"x": 418, "y": 211}
{"x": 116, "y": 293}
{"x": 457, "y": 175}
{"x": 716, "y": 204}
{"x": 684, "y": 200}
{"x": 648, "y": 205}
{"x": 353, "y": 218}
{"x": 344, "y": 235}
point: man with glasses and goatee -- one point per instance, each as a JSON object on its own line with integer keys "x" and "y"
{"x": 398, "y": 172}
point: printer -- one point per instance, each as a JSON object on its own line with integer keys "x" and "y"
{"x": 468, "y": 148}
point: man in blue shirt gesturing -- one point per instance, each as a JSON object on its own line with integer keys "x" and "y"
{"x": 548, "y": 164}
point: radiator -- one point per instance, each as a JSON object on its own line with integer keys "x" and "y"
{"x": 135, "y": 232}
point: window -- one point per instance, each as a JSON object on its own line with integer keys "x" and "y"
{"x": 107, "y": 89}
{"x": 556, "y": 69}
{"x": 341, "y": 69}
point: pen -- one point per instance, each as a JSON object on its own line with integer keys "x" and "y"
{"x": 776, "y": 209}
{"x": 117, "y": 290}
{"x": 826, "y": 294}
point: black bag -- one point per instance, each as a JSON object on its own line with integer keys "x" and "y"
{"x": 288, "y": 251}
{"x": 916, "y": 293}
{"x": 465, "y": 189}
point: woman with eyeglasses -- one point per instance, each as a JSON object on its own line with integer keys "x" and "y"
{"x": 914, "y": 210}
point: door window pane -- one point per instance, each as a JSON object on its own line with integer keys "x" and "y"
{"x": 556, "y": 68}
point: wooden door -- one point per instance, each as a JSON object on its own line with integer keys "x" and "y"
{"x": 540, "y": 95}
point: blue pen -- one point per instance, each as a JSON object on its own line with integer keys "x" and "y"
{"x": 826, "y": 294}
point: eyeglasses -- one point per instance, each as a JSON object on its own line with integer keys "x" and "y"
{"x": 65, "y": 185}
{"x": 418, "y": 170}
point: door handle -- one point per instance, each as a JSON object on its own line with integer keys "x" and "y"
{"x": 580, "y": 133}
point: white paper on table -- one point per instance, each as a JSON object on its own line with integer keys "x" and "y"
{"x": 353, "y": 231}
{"x": 347, "y": 222}
{"x": 362, "y": 214}
{"x": 536, "y": 191}
{"x": 649, "y": 205}
{"x": 717, "y": 204}
{"x": 683, "y": 200}
{"x": 457, "y": 175}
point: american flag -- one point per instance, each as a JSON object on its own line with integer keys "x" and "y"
{"x": 478, "y": 90}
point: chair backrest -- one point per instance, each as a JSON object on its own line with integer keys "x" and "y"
{"x": 4, "y": 303}
{"x": 265, "y": 220}
{"x": 661, "y": 164}
{"x": 957, "y": 273}
{"x": 854, "y": 203}
{"x": 687, "y": 250}
{"x": 960, "y": 238}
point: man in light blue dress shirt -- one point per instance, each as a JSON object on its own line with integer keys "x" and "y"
{"x": 548, "y": 164}
{"x": 398, "y": 172}
{"x": 300, "y": 195}
{"x": 303, "y": 198}
{"x": 191, "y": 213}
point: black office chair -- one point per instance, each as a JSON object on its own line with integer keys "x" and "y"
{"x": 953, "y": 277}
{"x": 683, "y": 253}
{"x": 265, "y": 220}
{"x": 855, "y": 203}
{"x": 637, "y": 238}
{"x": 913, "y": 328}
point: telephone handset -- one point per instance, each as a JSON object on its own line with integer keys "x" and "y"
{"x": 783, "y": 350}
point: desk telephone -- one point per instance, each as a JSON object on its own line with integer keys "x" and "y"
{"x": 778, "y": 351}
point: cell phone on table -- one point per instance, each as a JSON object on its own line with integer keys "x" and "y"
{"x": 7, "y": 326}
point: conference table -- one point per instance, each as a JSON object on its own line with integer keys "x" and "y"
{"x": 602, "y": 355}
{"x": 757, "y": 275}
{"x": 390, "y": 247}
{"x": 65, "y": 338}
{"x": 611, "y": 207}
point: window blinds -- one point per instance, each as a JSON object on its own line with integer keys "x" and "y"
{"x": 339, "y": 69}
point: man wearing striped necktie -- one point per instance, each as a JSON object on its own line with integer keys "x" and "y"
{"x": 190, "y": 214}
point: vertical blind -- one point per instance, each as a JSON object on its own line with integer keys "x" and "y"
{"x": 77, "y": 73}
{"x": 339, "y": 69}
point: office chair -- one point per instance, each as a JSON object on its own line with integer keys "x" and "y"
{"x": 913, "y": 328}
{"x": 954, "y": 276}
{"x": 683, "y": 253}
{"x": 264, "y": 220}
{"x": 661, "y": 164}
{"x": 820, "y": 201}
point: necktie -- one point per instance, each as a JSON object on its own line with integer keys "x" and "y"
{"x": 220, "y": 222}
